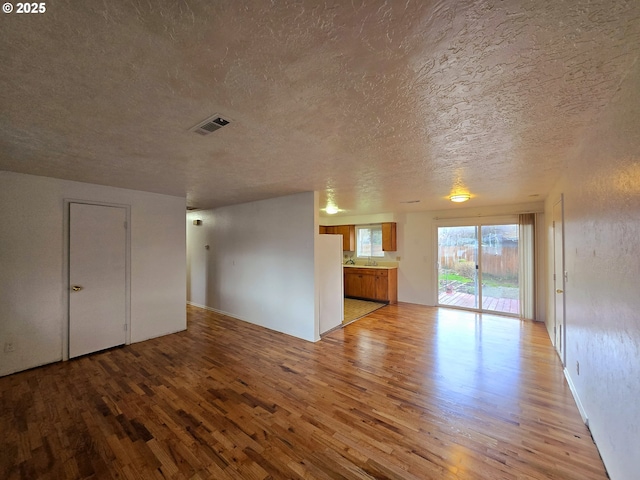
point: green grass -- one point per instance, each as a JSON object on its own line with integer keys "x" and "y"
{"x": 493, "y": 281}
{"x": 488, "y": 280}
{"x": 453, "y": 277}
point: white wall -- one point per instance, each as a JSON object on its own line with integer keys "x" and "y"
{"x": 260, "y": 264}
{"x": 602, "y": 256}
{"x": 32, "y": 270}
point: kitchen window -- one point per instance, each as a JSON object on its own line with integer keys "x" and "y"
{"x": 369, "y": 241}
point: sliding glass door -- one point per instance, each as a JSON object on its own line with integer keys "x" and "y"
{"x": 499, "y": 260}
{"x": 478, "y": 267}
{"x": 457, "y": 266}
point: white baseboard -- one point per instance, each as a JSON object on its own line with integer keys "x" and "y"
{"x": 574, "y": 392}
{"x": 237, "y": 317}
{"x": 221, "y": 312}
{"x": 199, "y": 306}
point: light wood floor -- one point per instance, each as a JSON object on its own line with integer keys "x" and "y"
{"x": 408, "y": 392}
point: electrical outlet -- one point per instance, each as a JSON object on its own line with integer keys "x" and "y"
{"x": 9, "y": 347}
{"x": 578, "y": 367}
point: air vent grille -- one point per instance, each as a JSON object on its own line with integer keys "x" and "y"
{"x": 211, "y": 124}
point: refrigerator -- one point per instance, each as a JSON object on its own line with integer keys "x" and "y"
{"x": 330, "y": 276}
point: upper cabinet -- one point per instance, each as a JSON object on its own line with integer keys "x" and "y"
{"x": 348, "y": 233}
{"x": 389, "y": 240}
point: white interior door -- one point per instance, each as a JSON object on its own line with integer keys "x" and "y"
{"x": 559, "y": 279}
{"x": 97, "y": 278}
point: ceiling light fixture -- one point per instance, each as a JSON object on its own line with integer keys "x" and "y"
{"x": 331, "y": 209}
{"x": 460, "y": 197}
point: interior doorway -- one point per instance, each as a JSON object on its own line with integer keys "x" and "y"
{"x": 478, "y": 267}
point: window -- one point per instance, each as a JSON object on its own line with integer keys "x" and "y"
{"x": 369, "y": 241}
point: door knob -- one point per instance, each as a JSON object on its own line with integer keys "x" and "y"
{"x": 76, "y": 288}
{"x": 559, "y": 291}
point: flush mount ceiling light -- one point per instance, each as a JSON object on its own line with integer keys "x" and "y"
{"x": 460, "y": 197}
{"x": 331, "y": 209}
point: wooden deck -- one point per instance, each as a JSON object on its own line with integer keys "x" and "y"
{"x": 467, "y": 300}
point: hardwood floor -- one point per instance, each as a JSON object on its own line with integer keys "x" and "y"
{"x": 408, "y": 392}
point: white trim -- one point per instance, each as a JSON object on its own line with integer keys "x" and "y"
{"x": 491, "y": 220}
{"x": 200, "y": 306}
{"x": 574, "y": 392}
{"x": 562, "y": 345}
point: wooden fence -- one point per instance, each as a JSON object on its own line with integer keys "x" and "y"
{"x": 500, "y": 261}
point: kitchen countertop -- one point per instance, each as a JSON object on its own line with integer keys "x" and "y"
{"x": 379, "y": 267}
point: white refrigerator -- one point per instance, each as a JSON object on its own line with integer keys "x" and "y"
{"x": 331, "y": 281}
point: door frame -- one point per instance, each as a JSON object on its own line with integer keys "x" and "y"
{"x": 478, "y": 221}
{"x": 66, "y": 268}
{"x": 559, "y": 283}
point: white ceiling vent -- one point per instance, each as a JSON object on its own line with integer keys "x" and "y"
{"x": 211, "y": 124}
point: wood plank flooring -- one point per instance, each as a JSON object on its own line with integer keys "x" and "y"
{"x": 408, "y": 392}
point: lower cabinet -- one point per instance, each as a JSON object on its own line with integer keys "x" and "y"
{"x": 371, "y": 284}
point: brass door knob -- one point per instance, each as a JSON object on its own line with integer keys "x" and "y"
{"x": 76, "y": 288}
{"x": 559, "y": 291}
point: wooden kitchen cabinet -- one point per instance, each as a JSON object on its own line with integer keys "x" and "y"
{"x": 389, "y": 237}
{"x": 348, "y": 233}
{"x": 327, "y": 230}
{"x": 359, "y": 284}
{"x": 379, "y": 284}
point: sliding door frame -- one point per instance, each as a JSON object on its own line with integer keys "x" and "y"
{"x": 477, "y": 222}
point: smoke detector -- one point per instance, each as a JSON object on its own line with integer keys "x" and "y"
{"x": 211, "y": 124}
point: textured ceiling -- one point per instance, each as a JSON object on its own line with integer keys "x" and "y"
{"x": 371, "y": 103}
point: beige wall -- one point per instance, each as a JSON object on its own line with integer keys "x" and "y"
{"x": 601, "y": 190}
{"x": 33, "y": 289}
{"x": 260, "y": 265}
